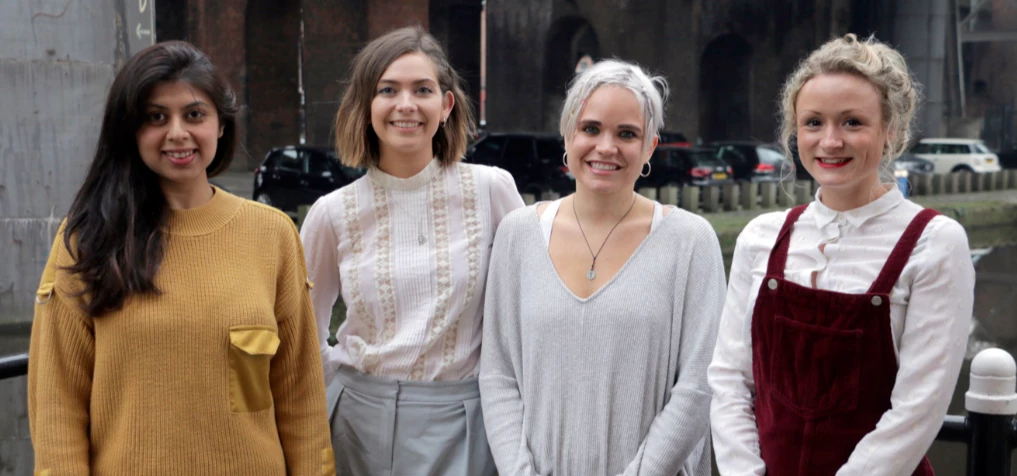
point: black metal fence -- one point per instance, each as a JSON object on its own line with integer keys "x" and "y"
{"x": 990, "y": 434}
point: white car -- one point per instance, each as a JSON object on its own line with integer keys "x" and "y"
{"x": 957, "y": 155}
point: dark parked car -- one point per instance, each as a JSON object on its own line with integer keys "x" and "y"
{"x": 673, "y": 138}
{"x": 681, "y": 166}
{"x": 297, "y": 175}
{"x": 533, "y": 159}
{"x": 754, "y": 161}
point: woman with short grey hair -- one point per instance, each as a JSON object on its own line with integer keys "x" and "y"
{"x": 602, "y": 307}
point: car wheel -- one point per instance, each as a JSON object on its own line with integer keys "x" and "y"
{"x": 264, "y": 198}
{"x": 962, "y": 169}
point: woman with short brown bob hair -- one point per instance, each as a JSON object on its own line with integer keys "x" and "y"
{"x": 356, "y": 141}
{"x": 407, "y": 245}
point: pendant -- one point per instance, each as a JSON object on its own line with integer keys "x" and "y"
{"x": 591, "y": 274}
{"x": 421, "y": 239}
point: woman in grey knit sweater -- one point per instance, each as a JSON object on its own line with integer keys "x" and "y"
{"x": 602, "y": 307}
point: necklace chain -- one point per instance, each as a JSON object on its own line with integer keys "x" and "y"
{"x": 591, "y": 274}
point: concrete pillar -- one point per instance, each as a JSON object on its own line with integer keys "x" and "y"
{"x": 749, "y": 194}
{"x": 711, "y": 199}
{"x": 803, "y": 193}
{"x": 529, "y": 198}
{"x": 669, "y": 195}
{"x": 939, "y": 184}
{"x": 690, "y": 198}
{"x": 923, "y": 184}
{"x": 1011, "y": 178}
{"x": 56, "y": 64}
{"x": 990, "y": 181}
{"x": 731, "y": 196}
{"x": 768, "y": 194}
{"x": 549, "y": 195}
{"x": 648, "y": 192}
{"x": 786, "y": 195}
{"x": 963, "y": 182}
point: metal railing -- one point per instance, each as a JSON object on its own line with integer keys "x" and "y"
{"x": 989, "y": 430}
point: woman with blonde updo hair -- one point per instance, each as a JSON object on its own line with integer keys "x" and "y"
{"x": 846, "y": 319}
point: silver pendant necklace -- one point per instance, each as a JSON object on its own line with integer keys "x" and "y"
{"x": 421, "y": 239}
{"x": 592, "y": 274}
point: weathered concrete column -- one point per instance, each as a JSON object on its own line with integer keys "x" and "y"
{"x": 768, "y": 194}
{"x": 923, "y": 184}
{"x": 57, "y": 60}
{"x": 749, "y": 194}
{"x": 803, "y": 193}
{"x": 711, "y": 199}
{"x": 690, "y": 198}
{"x": 939, "y": 184}
{"x": 731, "y": 196}
{"x": 669, "y": 195}
{"x": 963, "y": 182}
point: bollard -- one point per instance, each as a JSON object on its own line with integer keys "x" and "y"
{"x": 549, "y": 195}
{"x": 923, "y": 184}
{"x": 938, "y": 184}
{"x": 990, "y": 180}
{"x": 785, "y": 196}
{"x": 529, "y": 198}
{"x": 690, "y": 198}
{"x": 648, "y": 192}
{"x": 749, "y": 194}
{"x": 711, "y": 199}
{"x": 731, "y": 196}
{"x": 951, "y": 187}
{"x": 669, "y": 195}
{"x": 1011, "y": 178}
{"x": 803, "y": 193}
{"x": 963, "y": 182}
{"x": 767, "y": 194}
{"x": 991, "y": 402}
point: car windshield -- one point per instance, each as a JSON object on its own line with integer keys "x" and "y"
{"x": 980, "y": 148}
{"x": 705, "y": 158}
{"x": 352, "y": 172}
{"x": 769, "y": 156}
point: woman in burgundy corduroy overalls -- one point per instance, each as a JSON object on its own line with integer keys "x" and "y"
{"x": 846, "y": 319}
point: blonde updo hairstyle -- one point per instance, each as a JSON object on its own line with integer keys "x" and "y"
{"x": 873, "y": 61}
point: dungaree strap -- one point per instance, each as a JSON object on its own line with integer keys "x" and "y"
{"x": 778, "y": 255}
{"x": 901, "y": 252}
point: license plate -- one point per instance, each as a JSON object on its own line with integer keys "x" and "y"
{"x": 719, "y": 176}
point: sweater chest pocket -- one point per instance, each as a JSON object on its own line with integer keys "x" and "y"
{"x": 250, "y": 359}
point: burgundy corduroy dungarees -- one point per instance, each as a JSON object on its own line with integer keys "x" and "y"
{"x": 823, "y": 362}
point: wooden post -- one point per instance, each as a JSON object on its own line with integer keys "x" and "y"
{"x": 669, "y": 195}
{"x": 711, "y": 199}
{"x": 749, "y": 194}
{"x": 690, "y": 198}
{"x": 731, "y": 196}
{"x": 768, "y": 194}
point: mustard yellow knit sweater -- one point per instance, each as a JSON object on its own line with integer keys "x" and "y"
{"x": 218, "y": 375}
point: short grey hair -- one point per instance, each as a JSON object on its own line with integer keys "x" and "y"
{"x": 651, "y": 91}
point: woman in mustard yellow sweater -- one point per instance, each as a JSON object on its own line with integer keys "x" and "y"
{"x": 173, "y": 329}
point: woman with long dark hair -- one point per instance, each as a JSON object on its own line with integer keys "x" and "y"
{"x": 173, "y": 332}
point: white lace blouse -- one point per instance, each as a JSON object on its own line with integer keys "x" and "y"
{"x": 410, "y": 258}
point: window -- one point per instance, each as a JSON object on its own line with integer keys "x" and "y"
{"x": 922, "y": 149}
{"x": 769, "y": 156}
{"x": 981, "y": 149}
{"x": 956, "y": 149}
{"x": 488, "y": 151}
{"x": 732, "y": 156}
{"x": 318, "y": 163}
{"x": 289, "y": 160}
{"x": 519, "y": 149}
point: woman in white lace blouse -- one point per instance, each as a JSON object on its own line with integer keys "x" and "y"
{"x": 407, "y": 246}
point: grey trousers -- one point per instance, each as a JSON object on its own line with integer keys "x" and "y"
{"x": 384, "y": 427}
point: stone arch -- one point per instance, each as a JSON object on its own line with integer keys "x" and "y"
{"x": 272, "y": 76}
{"x": 725, "y": 75}
{"x": 569, "y": 39}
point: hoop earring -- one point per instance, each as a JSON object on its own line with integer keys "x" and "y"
{"x": 563, "y": 162}
{"x": 649, "y": 168}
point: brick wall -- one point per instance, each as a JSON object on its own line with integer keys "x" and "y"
{"x": 272, "y": 96}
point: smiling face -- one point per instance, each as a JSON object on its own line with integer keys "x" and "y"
{"x": 606, "y": 152}
{"x": 408, "y": 107}
{"x": 841, "y": 136}
{"x": 179, "y": 134}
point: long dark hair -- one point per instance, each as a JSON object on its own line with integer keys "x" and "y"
{"x": 118, "y": 218}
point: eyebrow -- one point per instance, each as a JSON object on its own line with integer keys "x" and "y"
{"x": 419, "y": 81}
{"x": 193, "y": 104}
{"x": 594, "y": 122}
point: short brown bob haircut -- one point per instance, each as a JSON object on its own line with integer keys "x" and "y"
{"x": 355, "y": 140}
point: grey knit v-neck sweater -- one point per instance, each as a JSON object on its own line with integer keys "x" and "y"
{"x": 611, "y": 384}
